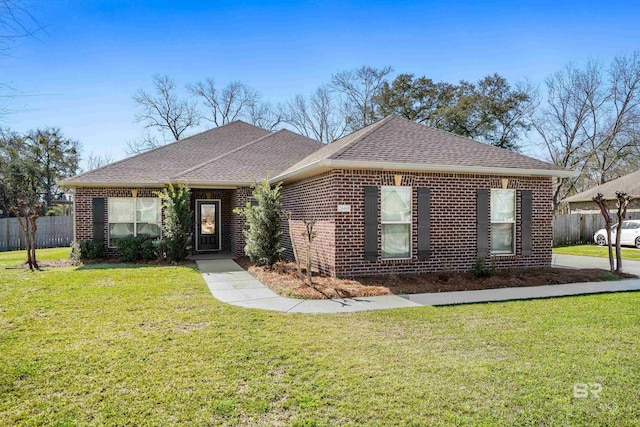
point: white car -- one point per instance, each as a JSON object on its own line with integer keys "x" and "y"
{"x": 629, "y": 236}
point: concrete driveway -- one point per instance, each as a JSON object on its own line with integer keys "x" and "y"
{"x": 573, "y": 261}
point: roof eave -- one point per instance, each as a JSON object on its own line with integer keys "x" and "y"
{"x": 191, "y": 184}
{"x": 327, "y": 164}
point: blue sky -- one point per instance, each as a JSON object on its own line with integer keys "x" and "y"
{"x": 81, "y": 73}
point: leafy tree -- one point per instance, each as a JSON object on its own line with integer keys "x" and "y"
{"x": 32, "y": 164}
{"x": 53, "y": 157}
{"x": 264, "y": 229}
{"x": 490, "y": 111}
{"x": 177, "y": 222}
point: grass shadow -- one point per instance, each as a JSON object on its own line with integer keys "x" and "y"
{"x": 126, "y": 265}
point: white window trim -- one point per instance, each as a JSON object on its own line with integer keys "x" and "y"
{"x": 515, "y": 218}
{"x": 410, "y": 222}
{"x": 135, "y": 222}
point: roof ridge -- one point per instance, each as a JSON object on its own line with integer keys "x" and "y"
{"x": 373, "y": 127}
{"x": 161, "y": 146}
{"x": 198, "y": 166}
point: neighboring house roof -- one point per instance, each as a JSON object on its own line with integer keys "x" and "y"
{"x": 233, "y": 147}
{"x": 395, "y": 143}
{"x": 629, "y": 184}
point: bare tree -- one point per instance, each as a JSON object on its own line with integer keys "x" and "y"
{"x": 615, "y": 135}
{"x": 622, "y": 205}
{"x": 564, "y": 120}
{"x": 265, "y": 115}
{"x": 231, "y": 103}
{"x": 591, "y": 122}
{"x": 27, "y": 215}
{"x": 163, "y": 110}
{"x": 604, "y": 210}
{"x": 318, "y": 117}
{"x": 359, "y": 87}
{"x": 95, "y": 160}
{"x": 145, "y": 142}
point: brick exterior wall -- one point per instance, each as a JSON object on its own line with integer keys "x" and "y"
{"x": 84, "y": 212}
{"x": 239, "y": 199}
{"x": 339, "y": 249}
{"x": 339, "y": 246}
{"x": 83, "y": 204}
{"x": 312, "y": 198}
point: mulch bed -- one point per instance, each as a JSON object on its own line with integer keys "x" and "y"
{"x": 106, "y": 260}
{"x": 284, "y": 280}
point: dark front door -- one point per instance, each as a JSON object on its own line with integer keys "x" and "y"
{"x": 208, "y": 225}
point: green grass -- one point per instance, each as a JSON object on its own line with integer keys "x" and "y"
{"x": 630, "y": 254}
{"x": 151, "y": 346}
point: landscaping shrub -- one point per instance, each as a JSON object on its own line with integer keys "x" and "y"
{"x": 87, "y": 249}
{"x": 148, "y": 250}
{"x": 263, "y": 232}
{"x": 160, "y": 249}
{"x": 481, "y": 270}
{"x": 177, "y": 222}
{"x": 130, "y": 248}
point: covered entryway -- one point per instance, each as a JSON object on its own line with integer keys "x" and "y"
{"x": 208, "y": 226}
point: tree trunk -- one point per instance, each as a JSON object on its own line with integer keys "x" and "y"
{"x": 293, "y": 245}
{"x": 34, "y": 227}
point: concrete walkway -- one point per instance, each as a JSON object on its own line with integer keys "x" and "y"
{"x": 573, "y": 261}
{"x": 231, "y": 284}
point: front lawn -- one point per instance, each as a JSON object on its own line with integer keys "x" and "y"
{"x": 630, "y": 254}
{"x": 107, "y": 345}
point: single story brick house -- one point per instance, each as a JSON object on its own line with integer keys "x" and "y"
{"x": 393, "y": 197}
{"x": 630, "y": 184}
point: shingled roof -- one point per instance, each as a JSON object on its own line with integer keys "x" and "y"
{"x": 233, "y": 154}
{"x": 397, "y": 143}
{"x": 629, "y": 184}
{"x": 237, "y": 154}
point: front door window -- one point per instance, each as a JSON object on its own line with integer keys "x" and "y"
{"x": 207, "y": 225}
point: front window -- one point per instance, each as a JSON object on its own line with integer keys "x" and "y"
{"x": 503, "y": 221}
{"x": 130, "y": 216}
{"x": 396, "y": 222}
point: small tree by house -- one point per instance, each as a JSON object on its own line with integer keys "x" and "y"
{"x": 264, "y": 230}
{"x": 177, "y": 222}
{"x": 604, "y": 210}
{"x": 27, "y": 215}
{"x": 622, "y": 205}
{"x": 289, "y": 216}
{"x": 309, "y": 235}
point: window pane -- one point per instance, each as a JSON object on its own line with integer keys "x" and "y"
{"x": 119, "y": 231}
{"x": 503, "y": 205}
{"x": 149, "y": 230}
{"x": 396, "y": 241}
{"x": 502, "y": 238}
{"x": 121, "y": 210}
{"x": 396, "y": 204}
{"x": 148, "y": 210}
{"x": 207, "y": 218}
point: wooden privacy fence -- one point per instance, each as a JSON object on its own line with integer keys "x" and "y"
{"x": 53, "y": 231}
{"x": 579, "y": 228}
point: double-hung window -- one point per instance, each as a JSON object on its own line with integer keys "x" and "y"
{"x": 396, "y": 222}
{"x": 130, "y": 216}
{"x": 503, "y": 222}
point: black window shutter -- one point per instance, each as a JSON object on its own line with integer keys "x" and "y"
{"x": 98, "y": 218}
{"x": 424, "y": 222}
{"x": 482, "y": 221}
{"x": 370, "y": 223}
{"x": 526, "y": 211}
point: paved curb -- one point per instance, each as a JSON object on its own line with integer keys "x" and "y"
{"x": 231, "y": 284}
